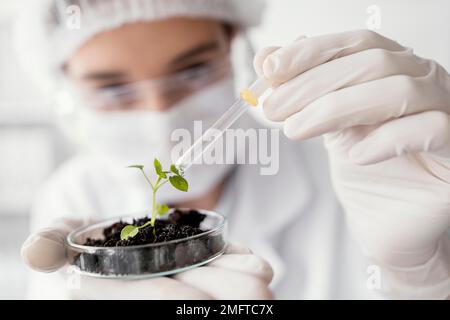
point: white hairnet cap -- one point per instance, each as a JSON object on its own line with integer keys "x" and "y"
{"x": 48, "y": 32}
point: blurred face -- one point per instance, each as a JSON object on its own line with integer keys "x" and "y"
{"x": 151, "y": 65}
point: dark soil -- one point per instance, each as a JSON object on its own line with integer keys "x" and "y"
{"x": 180, "y": 224}
{"x": 122, "y": 260}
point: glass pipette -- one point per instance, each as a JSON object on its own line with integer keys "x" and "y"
{"x": 247, "y": 97}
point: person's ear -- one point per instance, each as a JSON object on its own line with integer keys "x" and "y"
{"x": 230, "y": 34}
{"x": 230, "y": 31}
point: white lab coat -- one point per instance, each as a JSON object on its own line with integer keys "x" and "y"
{"x": 292, "y": 218}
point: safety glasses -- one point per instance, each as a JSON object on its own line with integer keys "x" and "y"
{"x": 159, "y": 93}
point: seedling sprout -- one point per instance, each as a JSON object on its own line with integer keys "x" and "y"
{"x": 176, "y": 179}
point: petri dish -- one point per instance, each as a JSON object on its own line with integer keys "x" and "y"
{"x": 146, "y": 260}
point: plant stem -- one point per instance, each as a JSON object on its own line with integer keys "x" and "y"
{"x": 148, "y": 180}
{"x": 144, "y": 225}
{"x": 154, "y": 189}
{"x": 161, "y": 184}
{"x": 152, "y": 222}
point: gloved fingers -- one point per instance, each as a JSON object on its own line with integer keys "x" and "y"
{"x": 237, "y": 248}
{"x": 45, "y": 251}
{"x": 366, "y": 104}
{"x": 240, "y": 258}
{"x": 246, "y": 263}
{"x": 225, "y": 284}
{"x": 294, "y": 95}
{"x": 259, "y": 58}
{"x": 300, "y": 56}
{"x": 162, "y": 288}
{"x": 262, "y": 54}
{"x": 401, "y": 136}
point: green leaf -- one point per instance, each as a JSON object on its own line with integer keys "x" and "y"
{"x": 158, "y": 169}
{"x": 128, "y": 232}
{"x": 162, "y": 209}
{"x": 137, "y": 166}
{"x": 174, "y": 169}
{"x": 179, "y": 182}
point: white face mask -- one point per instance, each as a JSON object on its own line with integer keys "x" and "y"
{"x": 137, "y": 137}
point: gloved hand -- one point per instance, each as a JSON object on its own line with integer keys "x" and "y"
{"x": 385, "y": 116}
{"x": 238, "y": 274}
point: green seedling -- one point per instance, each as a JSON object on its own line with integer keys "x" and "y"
{"x": 176, "y": 179}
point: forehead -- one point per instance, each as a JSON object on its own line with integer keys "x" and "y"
{"x": 149, "y": 46}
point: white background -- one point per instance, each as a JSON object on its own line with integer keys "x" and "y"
{"x": 30, "y": 148}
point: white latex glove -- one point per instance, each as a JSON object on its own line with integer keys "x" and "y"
{"x": 238, "y": 274}
{"x": 384, "y": 113}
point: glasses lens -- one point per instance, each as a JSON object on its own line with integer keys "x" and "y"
{"x": 159, "y": 93}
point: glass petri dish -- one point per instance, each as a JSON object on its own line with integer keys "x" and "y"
{"x": 147, "y": 260}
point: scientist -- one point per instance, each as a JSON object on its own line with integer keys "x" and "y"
{"x": 132, "y": 71}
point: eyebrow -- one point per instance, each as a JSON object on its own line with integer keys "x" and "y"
{"x": 196, "y": 51}
{"x": 104, "y": 75}
{"x": 178, "y": 60}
